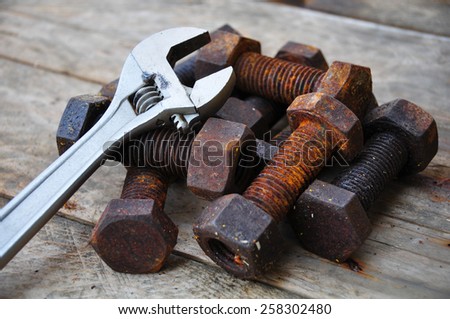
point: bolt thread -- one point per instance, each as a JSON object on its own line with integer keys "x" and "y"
{"x": 293, "y": 167}
{"x": 381, "y": 160}
{"x": 166, "y": 150}
{"x": 275, "y": 79}
{"x": 281, "y": 137}
{"x": 145, "y": 183}
{"x": 185, "y": 71}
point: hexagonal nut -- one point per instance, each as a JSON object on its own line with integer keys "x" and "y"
{"x": 223, "y": 51}
{"x": 80, "y": 115}
{"x": 347, "y": 131}
{"x": 349, "y": 83}
{"x": 415, "y": 125}
{"x": 236, "y": 110}
{"x": 329, "y": 221}
{"x": 108, "y": 90}
{"x": 303, "y": 54}
{"x": 222, "y": 159}
{"x": 239, "y": 236}
{"x": 134, "y": 236}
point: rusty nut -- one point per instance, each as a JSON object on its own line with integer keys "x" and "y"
{"x": 217, "y": 164}
{"x": 232, "y": 230}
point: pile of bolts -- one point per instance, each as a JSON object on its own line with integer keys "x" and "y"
{"x": 255, "y": 175}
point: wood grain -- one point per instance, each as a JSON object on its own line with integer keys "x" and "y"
{"x": 58, "y": 263}
{"x": 51, "y": 51}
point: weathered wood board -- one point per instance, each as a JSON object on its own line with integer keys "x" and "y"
{"x": 51, "y": 52}
{"x": 421, "y": 15}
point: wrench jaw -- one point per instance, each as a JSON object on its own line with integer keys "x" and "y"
{"x": 210, "y": 93}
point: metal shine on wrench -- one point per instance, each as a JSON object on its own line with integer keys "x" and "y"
{"x": 150, "y": 64}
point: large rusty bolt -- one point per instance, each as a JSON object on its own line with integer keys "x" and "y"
{"x": 303, "y": 54}
{"x": 330, "y": 219}
{"x": 134, "y": 235}
{"x": 80, "y": 115}
{"x": 238, "y": 232}
{"x": 282, "y": 81}
{"x": 221, "y": 159}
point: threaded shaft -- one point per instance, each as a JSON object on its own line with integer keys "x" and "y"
{"x": 145, "y": 183}
{"x": 381, "y": 160}
{"x": 164, "y": 149}
{"x": 293, "y": 167}
{"x": 277, "y": 80}
{"x": 185, "y": 71}
{"x": 281, "y": 137}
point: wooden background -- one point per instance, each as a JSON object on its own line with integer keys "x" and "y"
{"x": 52, "y": 50}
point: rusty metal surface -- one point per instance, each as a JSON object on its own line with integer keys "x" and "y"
{"x": 133, "y": 235}
{"x": 282, "y": 81}
{"x": 277, "y": 80}
{"x": 239, "y": 236}
{"x": 275, "y": 190}
{"x": 303, "y": 54}
{"x": 258, "y": 116}
{"x": 399, "y": 132}
{"x": 226, "y": 50}
{"x": 80, "y": 114}
{"x": 329, "y": 221}
{"x": 334, "y": 116}
{"x": 349, "y": 83}
{"x": 215, "y": 156}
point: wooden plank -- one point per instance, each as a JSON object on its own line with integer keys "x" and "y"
{"x": 420, "y": 15}
{"x": 58, "y": 263}
{"x": 393, "y": 264}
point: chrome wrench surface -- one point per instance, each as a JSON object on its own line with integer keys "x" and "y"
{"x": 150, "y": 64}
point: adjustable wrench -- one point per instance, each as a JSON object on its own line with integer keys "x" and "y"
{"x": 148, "y": 95}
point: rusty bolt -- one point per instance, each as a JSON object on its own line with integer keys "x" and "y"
{"x": 134, "y": 235}
{"x": 239, "y": 232}
{"x": 80, "y": 114}
{"x": 303, "y": 54}
{"x": 330, "y": 219}
{"x": 282, "y": 81}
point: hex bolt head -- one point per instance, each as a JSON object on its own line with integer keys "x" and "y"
{"x": 80, "y": 115}
{"x": 330, "y": 221}
{"x": 415, "y": 125}
{"x": 134, "y": 236}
